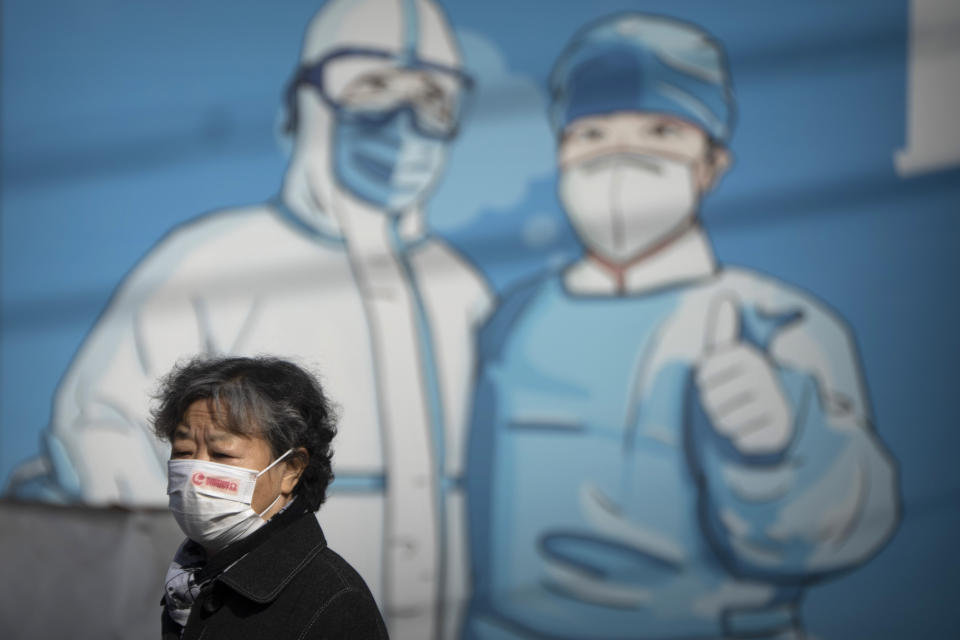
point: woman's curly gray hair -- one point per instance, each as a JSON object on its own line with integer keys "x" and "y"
{"x": 263, "y": 396}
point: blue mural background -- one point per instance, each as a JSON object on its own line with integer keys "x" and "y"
{"x": 120, "y": 120}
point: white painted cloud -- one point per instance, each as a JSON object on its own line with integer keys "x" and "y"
{"x": 505, "y": 142}
{"x": 540, "y": 230}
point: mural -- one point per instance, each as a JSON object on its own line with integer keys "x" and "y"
{"x": 565, "y": 413}
{"x": 338, "y": 270}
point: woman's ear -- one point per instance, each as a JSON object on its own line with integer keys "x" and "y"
{"x": 296, "y": 463}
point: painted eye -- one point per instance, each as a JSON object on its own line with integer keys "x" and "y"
{"x": 592, "y": 133}
{"x": 373, "y": 82}
{"x": 665, "y": 130}
{"x": 433, "y": 94}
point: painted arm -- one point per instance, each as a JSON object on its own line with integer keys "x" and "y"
{"x": 794, "y": 483}
{"x": 100, "y": 444}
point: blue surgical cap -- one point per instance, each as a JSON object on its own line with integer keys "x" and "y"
{"x": 639, "y": 62}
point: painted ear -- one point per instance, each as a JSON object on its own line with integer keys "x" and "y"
{"x": 716, "y": 163}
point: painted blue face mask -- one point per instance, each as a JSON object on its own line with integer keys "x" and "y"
{"x": 384, "y": 158}
{"x": 393, "y": 120}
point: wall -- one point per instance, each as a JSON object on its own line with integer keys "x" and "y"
{"x": 526, "y": 406}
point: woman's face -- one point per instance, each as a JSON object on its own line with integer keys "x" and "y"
{"x": 198, "y": 437}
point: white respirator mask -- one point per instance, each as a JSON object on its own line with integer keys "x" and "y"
{"x": 622, "y": 204}
{"x": 211, "y": 501}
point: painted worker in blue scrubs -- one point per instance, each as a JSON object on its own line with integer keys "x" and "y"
{"x": 661, "y": 446}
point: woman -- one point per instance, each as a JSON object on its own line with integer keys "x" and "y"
{"x": 249, "y": 466}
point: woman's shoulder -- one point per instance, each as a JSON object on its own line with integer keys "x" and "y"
{"x": 344, "y": 604}
{"x": 332, "y": 569}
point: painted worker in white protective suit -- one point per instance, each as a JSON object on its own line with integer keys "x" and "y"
{"x": 662, "y": 447}
{"x": 338, "y": 273}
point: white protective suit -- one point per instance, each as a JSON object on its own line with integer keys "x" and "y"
{"x": 384, "y": 311}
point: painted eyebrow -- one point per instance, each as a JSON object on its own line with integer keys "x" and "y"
{"x": 588, "y": 124}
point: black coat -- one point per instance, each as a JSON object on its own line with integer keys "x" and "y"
{"x": 289, "y": 585}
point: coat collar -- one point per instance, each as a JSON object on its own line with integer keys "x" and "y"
{"x": 262, "y": 573}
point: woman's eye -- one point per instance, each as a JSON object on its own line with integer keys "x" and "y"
{"x": 179, "y": 454}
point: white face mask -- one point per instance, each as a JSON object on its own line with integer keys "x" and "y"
{"x": 622, "y": 204}
{"x": 211, "y": 501}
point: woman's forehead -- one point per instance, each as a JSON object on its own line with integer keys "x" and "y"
{"x": 201, "y": 413}
{"x": 203, "y": 416}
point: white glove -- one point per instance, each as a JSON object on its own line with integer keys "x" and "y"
{"x": 739, "y": 388}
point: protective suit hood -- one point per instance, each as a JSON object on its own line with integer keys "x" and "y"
{"x": 416, "y": 28}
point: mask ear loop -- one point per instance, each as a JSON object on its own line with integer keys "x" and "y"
{"x": 267, "y": 468}
{"x": 260, "y": 515}
{"x": 270, "y": 466}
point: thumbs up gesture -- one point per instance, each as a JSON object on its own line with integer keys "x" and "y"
{"x": 738, "y": 387}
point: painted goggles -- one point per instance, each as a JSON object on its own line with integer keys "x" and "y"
{"x": 370, "y": 84}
